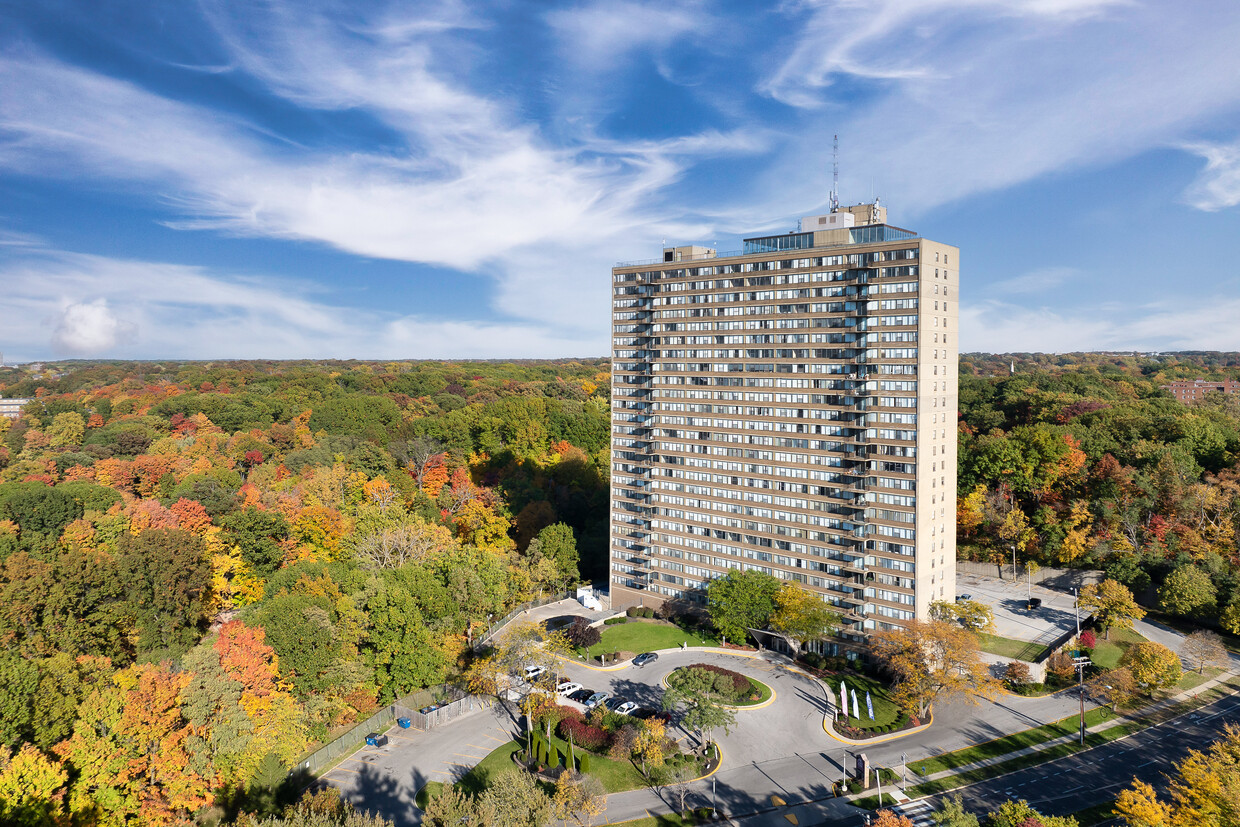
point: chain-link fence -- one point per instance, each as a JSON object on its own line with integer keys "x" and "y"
{"x": 425, "y": 709}
{"x": 533, "y": 604}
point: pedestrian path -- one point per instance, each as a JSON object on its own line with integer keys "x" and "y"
{"x": 1159, "y": 706}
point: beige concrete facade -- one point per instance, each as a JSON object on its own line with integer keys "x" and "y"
{"x": 791, "y": 410}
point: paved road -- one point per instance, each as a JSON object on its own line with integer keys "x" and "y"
{"x": 1069, "y": 784}
{"x": 779, "y": 750}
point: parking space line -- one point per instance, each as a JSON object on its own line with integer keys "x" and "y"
{"x": 493, "y": 738}
{"x": 341, "y": 769}
{"x": 467, "y": 755}
{"x": 458, "y": 764}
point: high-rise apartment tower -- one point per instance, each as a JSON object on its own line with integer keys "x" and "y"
{"x": 791, "y": 408}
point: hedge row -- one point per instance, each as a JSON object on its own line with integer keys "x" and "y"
{"x": 639, "y": 611}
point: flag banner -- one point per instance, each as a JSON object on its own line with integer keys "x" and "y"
{"x": 869, "y": 705}
{"x": 856, "y": 712}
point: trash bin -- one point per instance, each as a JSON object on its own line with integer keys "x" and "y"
{"x": 404, "y": 723}
{"x": 376, "y": 739}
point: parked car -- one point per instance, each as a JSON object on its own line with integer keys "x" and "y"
{"x": 646, "y": 713}
{"x": 645, "y": 658}
{"x": 582, "y": 695}
{"x": 626, "y": 708}
{"x": 595, "y": 699}
{"x": 376, "y": 739}
{"x": 613, "y": 702}
{"x": 533, "y": 673}
{"x": 567, "y": 687}
{"x": 960, "y": 598}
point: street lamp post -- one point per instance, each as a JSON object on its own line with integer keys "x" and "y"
{"x": 1076, "y": 611}
{"x": 1013, "y": 561}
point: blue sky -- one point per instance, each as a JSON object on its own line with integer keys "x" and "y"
{"x": 296, "y": 179}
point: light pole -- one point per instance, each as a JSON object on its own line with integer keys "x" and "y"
{"x": 1076, "y": 611}
{"x": 714, "y": 802}
{"x": 1013, "y": 562}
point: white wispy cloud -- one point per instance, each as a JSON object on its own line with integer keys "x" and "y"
{"x": 1217, "y": 187}
{"x": 76, "y": 305}
{"x": 1035, "y": 281}
{"x": 971, "y": 97}
{"x": 1002, "y": 327}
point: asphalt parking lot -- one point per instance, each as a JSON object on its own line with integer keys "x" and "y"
{"x": 1007, "y": 598}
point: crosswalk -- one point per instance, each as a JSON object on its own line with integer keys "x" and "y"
{"x": 917, "y": 812}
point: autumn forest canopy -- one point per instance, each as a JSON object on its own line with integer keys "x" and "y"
{"x": 233, "y": 561}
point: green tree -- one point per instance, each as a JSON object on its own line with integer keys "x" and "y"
{"x": 19, "y": 684}
{"x": 801, "y": 615}
{"x": 258, "y": 533}
{"x": 1112, "y": 604}
{"x": 399, "y": 646}
{"x": 699, "y": 693}
{"x": 167, "y": 579}
{"x": 741, "y": 600}
{"x": 558, "y": 543}
{"x": 1187, "y": 591}
{"x": 1020, "y": 814}
{"x": 66, "y": 430}
{"x": 302, "y": 631}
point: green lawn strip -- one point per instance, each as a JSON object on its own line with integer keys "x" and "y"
{"x": 885, "y": 710}
{"x": 870, "y": 802}
{"x": 1108, "y": 652}
{"x": 1007, "y": 647}
{"x": 1092, "y": 739}
{"x": 636, "y": 636}
{"x": 615, "y": 776}
{"x": 1009, "y": 743}
{"x": 1192, "y": 680}
{"x": 667, "y": 820}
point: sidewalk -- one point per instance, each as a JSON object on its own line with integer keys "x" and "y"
{"x": 1151, "y": 709}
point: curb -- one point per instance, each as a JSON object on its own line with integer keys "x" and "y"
{"x": 904, "y": 733}
{"x": 762, "y": 705}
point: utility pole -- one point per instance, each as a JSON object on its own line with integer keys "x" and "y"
{"x": 1080, "y": 663}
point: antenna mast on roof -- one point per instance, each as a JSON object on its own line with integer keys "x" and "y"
{"x": 835, "y": 174}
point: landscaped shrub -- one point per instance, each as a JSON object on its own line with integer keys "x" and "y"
{"x": 740, "y": 685}
{"x": 580, "y": 633}
{"x": 633, "y": 611}
{"x": 613, "y": 621}
{"x": 583, "y": 762}
{"x": 647, "y": 612}
{"x": 623, "y": 742}
{"x": 583, "y": 734}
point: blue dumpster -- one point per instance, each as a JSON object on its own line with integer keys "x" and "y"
{"x": 376, "y": 739}
{"x": 404, "y": 723}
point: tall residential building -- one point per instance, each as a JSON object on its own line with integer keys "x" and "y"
{"x": 790, "y": 408}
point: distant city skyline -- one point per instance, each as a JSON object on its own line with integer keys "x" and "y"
{"x": 318, "y": 180}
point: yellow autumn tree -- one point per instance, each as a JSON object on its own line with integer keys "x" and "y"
{"x": 1204, "y": 791}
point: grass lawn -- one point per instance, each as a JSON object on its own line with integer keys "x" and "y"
{"x": 763, "y": 691}
{"x": 1009, "y": 743}
{"x": 870, "y": 802}
{"x": 1108, "y": 652}
{"x": 616, "y": 776}
{"x": 639, "y": 636}
{"x": 1192, "y": 680}
{"x": 1007, "y": 647}
{"x": 885, "y": 710}
{"x": 1059, "y": 751}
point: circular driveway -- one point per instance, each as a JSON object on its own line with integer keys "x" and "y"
{"x": 790, "y": 723}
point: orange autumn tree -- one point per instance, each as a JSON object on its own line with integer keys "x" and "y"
{"x": 128, "y": 750}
